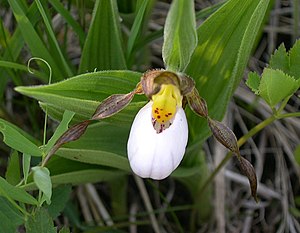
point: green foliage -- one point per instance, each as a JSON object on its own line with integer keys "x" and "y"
{"x": 225, "y": 41}
{"x": 281, "y": 79}
{"x": 180, "y": 37}
{"x": 103, "y": 52}
{"x": 9, "y": 212}
{"x": 13, "y": 172}
{"x": 41, "y": 177}
{"x": 215, "y": 55}
{"x": 17, "y": 140}
{"x": 40, "y": 222}
{"x": 15, "y": 193}
{"x": 59, "y": 199}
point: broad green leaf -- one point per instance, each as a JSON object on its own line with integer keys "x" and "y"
{"x": 13, "y": 171}
{"x": 60, "y": 196}
{"x": 14, "y": 139}
{"x": 276, "y": 86}
{"x": 62, "y": 127}
{"x": 280, "y": 60}
{"x": 40, "y": 222}
{"x": 9, "y": 212}
{"x": 225, "y": 41}
{"x": 15, "y": 193}
{"x": 95, "y": 157}
{"x": 104, "y": 136}
{"x": 180, "y": 36}
{"x": 103, "y": 46}
{"x": 6, "y": 225}
{"x": 86, "y": 176}
{"x": 253, "y": 82}
{"x": 125, "y": 117}
{"x": 41, "y": 177}
{"x": 295, "y": 60}
{"x": 82, "y": 94}
{"x": 34, "y": 41}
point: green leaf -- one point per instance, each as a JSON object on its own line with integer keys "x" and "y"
{"x": 180, "y": 37}
{"x": 52, "y": 39}
{"x": 40, "y": 222}
{"x": 138, "y": 25}
{"x": 13, "y": 172}
{"x": 280, "y": 60}
{"x": 15, "y": 193}
{"x": 10, "y": 216}
{"x": 253, "y": 82}
{"x": 103, "y": 46}
{"x": 95, "y": 157}
{"x": 295, "y": 60}
{"x": 276, "y": 86}
{"x": 81, "y": 94}
{"x": 26, "y": 159}
{"x": 69, "y": 19}
{"x": 34, "y": 41}
{"x": 14, "y": 139}
{"x": 225, "y": 41}
{"x": 60, "y": 197}
{"x": 41, "y": 177}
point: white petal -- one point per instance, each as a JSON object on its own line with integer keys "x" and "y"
{"x": 153, "y": 155}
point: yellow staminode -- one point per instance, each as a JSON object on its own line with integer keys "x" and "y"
{"x": 165, "y": 103}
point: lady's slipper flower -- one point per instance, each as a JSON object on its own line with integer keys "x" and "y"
{"x": 158, "y": 135}
{"x": 159, "y": 132}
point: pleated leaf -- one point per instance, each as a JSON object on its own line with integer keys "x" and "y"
{"x": 103, "y": 46}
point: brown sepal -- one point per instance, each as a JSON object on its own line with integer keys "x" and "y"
{"x": 72, "y": 134}
{"x": 224, "y": 135}
{"x": 197, "y": 103}
{"x": 112, "y": 105}
{"x": 248, "y": 170}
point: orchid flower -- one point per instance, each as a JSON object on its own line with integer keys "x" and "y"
{"x": 159, "y": 135}
{"x": 159, "y": 132}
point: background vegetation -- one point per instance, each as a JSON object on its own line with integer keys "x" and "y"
{"x": 99, "y": 48}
